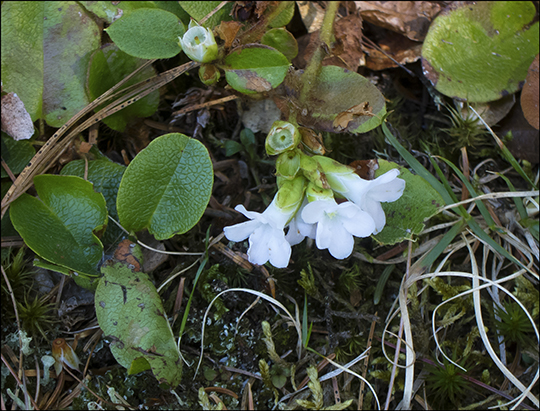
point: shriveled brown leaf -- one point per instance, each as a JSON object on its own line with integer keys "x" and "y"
{"x": 410, "y": 18}
{"x": 345, "y": 117}
{"x": 227, "y": 31}
{"x": 16, "y": 121}
{"x": 348, "y": 32}
{"x": 312, "y": 15}
{"x": 365, "y": 168}
{"x": 395, "y": 49}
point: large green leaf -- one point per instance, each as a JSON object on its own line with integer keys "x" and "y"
{"x": 255, "y": 68}
{"x": 106, "y": 177}
{"x": 481, "y": 51}
{"x": 46, "y": 47}
{"x": 16, "y": 154}
{"x": 108, "y": 67}
{"x": 405, "y": 217}
{"x": 148, "y": 33}
{"x": 167, "y": 187}
{"x": 337, "y": 91}
{"x": 131, "y": 315}
{"x": 59, "y": 226}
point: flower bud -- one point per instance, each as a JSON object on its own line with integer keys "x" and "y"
{"x": 209, "y": 74}
{"x": 314, "y": 193}
{"x": 313, "y": 171}
{"x": 290, "y": 194}
{"x": 288, "y": 164}
{"x": 312, "y": 141}
{"x": 199, "y": 43}
{"x": 283, "y": 136}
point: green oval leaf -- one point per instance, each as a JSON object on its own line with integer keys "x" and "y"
{"x": 16, "y": 154}
{"x": 106, "y": 177}
{"x": 337, "y": 91}
{"x": 60, "y": 225}
{"x": 130, "y": 313}
{"x": 481, "y": 51}
{"x": 255, "y": 68}
{"x": 45, "y": 52}
{"x": 167, "y": 187}
{"x": 108, "y": 67}
{"x": 283, "y": 41}
{"x": 405, "y": 217}
{"x": 148, "y": 33}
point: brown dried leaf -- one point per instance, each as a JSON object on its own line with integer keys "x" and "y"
{"x": 399, "y": 48}
{"x": 410, "y": 18}
{"x": 345, "y": 117}
{"x": 227, "y": 31}
{"x": 348, "y": 31}
{"x": 16, "y": 121}
{"x": 312, "y": 15}
{"x": 365, "y": 168}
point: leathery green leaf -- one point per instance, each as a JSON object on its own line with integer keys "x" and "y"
{"x": 16, "y": 154}
{"x": 148, "y": 33}
{"x": 109, "y": 66}
{"x": 59, "y": 226}
{"x": 255, "y": 68}
{"x": 343, "y": 101}
{"x": 131, "y": 315}
{"x": 167, "y": 187}
{"x": 481, "y": 51}
{"x": 106, "y": 176}
{"x": 45, "y": 50}
{"x": 405, "y": 217}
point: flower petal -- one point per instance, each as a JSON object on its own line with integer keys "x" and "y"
{"x": 294, "y": 236}
{"x": 252, "y": 215}
{"x": 388, "y": 192}
{"x": 315, "y": 211}
{"x": 258, "y": 252}
{"x": 239, "y": 232}
{"x": 326, "y": 229}
{"x": 376, "y": 212}
{"x": 279, "y": 250}
{"x": 342, "y": 244}
{"x": 360, "y": 225}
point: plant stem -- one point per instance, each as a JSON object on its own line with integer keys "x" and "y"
{"x": 309, "y": 77}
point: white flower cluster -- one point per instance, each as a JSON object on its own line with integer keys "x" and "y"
{"x": 305, "y": 204}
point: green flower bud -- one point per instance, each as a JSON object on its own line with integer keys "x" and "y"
{"x": 209, "y": 74}
{"x": 288, "y": 164}
{"x": 290, "y": 194}
{"x": 334, "y": 172}
{"x": 314, "y": 193}
{"x": 313, "y": 171}
{"x": 283, "y": 136}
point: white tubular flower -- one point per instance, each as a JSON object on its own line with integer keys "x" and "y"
{"x": 265, "y": 230}
{"x": 199, "y": 43}
{"x": 299, "y": 229}
{"x": 366, "y": 194}
{"x": 337, "y": 224}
